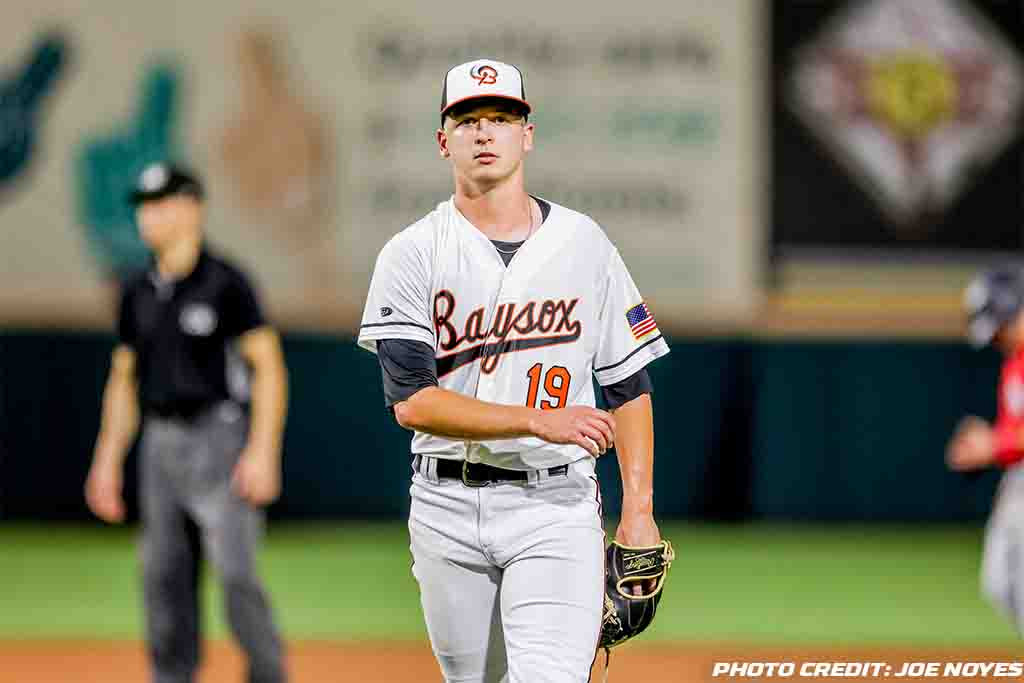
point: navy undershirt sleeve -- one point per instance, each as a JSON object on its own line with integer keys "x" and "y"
{"x": 626, "y": 390}
{"x": 406, "y": 366}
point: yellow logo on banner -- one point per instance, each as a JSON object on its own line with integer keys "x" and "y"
{"x": 913, "y": 93}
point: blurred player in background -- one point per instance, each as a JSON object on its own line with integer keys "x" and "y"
{"x": 192, "y": 337}
{"x": 995, "y": 308}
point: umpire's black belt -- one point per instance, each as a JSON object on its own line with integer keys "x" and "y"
{"x": 481, "y": 474}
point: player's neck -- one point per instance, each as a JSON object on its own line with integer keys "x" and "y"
{"x": 502, "y": 212}
{"x": 179, "y": 259}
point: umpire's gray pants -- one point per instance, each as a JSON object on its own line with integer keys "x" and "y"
{"x": 185, "y": 486}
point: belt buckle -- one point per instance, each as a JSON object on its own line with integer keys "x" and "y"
{"x": 472, "y": 483}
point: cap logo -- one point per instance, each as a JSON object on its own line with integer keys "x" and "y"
{"x": 484, "y": 74}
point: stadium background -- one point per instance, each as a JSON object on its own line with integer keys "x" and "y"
{"x": 812, "y": 301}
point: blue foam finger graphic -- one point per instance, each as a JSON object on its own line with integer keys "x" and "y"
{"x": 108, "y": 165}
{"x": 20, "y": 99}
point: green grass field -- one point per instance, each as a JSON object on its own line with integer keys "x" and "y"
{"x": 750, "y": 583}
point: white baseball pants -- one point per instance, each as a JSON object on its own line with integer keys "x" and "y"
{"x": 511, "y": 575}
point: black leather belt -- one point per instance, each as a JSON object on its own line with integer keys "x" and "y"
{"x": 189, "y": 411}
{"x": 183, "y": 413}
{"x": 480, "y": 474}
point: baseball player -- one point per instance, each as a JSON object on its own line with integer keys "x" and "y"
{"x": 490, "y": 316}
{"x": 188, "y": 328}
{"x": 995, "y": 307}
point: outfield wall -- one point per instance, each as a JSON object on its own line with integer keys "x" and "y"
{"x": 780, "y": 430}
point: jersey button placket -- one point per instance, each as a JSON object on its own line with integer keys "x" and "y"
{"x": 484, "y": 381}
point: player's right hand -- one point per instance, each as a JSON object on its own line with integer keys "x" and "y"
{"x": 972, "y": 446}
{"x": 589, "y": 428}
{"x": 103, "y": 492}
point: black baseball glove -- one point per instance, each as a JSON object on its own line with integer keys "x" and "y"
{"x": 625, "y": 614}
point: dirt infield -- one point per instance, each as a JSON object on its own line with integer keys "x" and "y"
{"x": 107, "y": 662}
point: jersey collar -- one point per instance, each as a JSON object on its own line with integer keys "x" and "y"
{"x": 489, "y": 243}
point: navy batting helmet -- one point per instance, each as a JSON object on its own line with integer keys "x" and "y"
{"x": 992, "y": 300}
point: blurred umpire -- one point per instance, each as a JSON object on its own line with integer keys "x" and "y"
{"x": 192, "y": 343}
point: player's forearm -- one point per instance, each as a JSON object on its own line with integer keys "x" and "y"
{"x": 634, "y": 445}
{"x": 120, "y": 419}
{"x": 269, "y": 404}
{"x": 452, "y": 415}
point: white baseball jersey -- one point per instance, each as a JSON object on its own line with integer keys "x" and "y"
{"x": 532, "y": 333}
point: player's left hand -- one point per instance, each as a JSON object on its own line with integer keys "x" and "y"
{"x": 257, "y": 476}
{"x": 638, "y": 530}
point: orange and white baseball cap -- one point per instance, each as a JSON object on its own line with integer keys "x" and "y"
{"x": 482, "y": 78}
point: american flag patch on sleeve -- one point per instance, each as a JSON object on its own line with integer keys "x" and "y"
{"x": 640, "y": 320}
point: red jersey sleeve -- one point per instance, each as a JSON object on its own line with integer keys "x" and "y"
{"x": 1009, "y": 446}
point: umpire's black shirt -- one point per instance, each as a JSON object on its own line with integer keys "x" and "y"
{"x": 182, "y": 333}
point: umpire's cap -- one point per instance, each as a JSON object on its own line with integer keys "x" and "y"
{"x": 992, "y": 300}
{"x": 164, "y": 179}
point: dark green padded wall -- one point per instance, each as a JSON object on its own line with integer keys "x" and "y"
{"x": 786, "y": 430}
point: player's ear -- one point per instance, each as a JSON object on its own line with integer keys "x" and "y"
{"x": 528, "y": 137}
{"x": 442, "y": 143}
